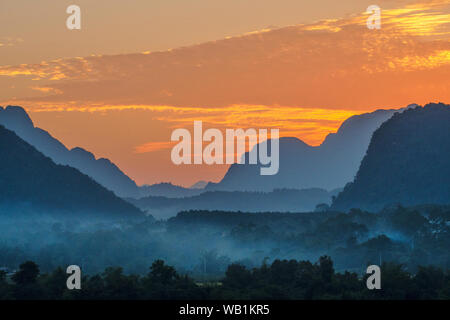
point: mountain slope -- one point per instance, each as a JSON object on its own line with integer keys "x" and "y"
{"x": 199, "y": 185}
{"x": 166, "y": 189}
{"x": 408, "y": 162}
{"x": 280, "y": 200}
{"x": 102, "y": 170}
{"x": 328, "y": 166}
{"x": 29, "y": 177}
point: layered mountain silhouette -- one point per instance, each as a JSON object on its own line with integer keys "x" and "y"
{"x": 328, "y": 166}
{"x": 279, "y": 200}
{"x": 166, "y": 189}
{"x": 101, "y": 170}
{"x": 407, "y": 162}
{"x": 28, "y": 177}
{"x": 199, "y": 185}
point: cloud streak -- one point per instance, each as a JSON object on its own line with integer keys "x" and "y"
{"x": 309, "y": 124}
{"x": 334, "y": 63}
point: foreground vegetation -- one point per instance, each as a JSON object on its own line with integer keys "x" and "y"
{"x": 283, "y": 279}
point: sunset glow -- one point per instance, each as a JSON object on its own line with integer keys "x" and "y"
{"x": 304, "y": 79}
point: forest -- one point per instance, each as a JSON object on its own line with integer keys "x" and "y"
{"x": 203, "y": 244}
{"x": 282, "y": 279}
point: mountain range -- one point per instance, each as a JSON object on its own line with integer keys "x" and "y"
{"x": 407, "y": 162}
{"x": 30, "y": 179}
{"x": 328, "y": 166}
{"x": 279, "y": 200}
{"x": 392, "y": 156}
{"x": 169, "y": 190}
{"x": 101, "y": 170}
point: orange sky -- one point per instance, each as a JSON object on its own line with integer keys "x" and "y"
{"x": 304, "y": 79}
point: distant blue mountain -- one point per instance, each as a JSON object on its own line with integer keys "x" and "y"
{"x": 30, "y": 179}
{"x": 280, "y": 200}
{"x": 407, "y": 163}
{"x": 166, "y": 189}
{"x": 328, "y": 166}
{"x": 101, "y": 170}
{"x": 199, "y": 185}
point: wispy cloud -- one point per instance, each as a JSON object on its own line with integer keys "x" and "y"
{"x": 335, "y": 63}
{"x": 309, "y": 124}
{"x": 9, "y": 41}
{"x": 153, "y": 146}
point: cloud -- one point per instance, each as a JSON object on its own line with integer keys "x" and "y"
{"x": 9, "y": 41}
{"x": 153, "y": 146}
{"x": 309, "y": 124}
{"x": 337, "y": 64}
{"x": 334, "y": 64}
{"x": 303, "y": 79}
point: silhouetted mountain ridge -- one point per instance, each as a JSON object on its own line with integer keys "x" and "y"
{"x": 199, "y": 185}
{"x": 407, "y": 162}
{"x": 328, "y": 166}
{"x": 29, "y": 177}
{"x": 167, "y": 189}
{"x": 102, "y": 170}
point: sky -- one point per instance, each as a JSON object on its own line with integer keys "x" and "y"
{"x": 138, "y": 70}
